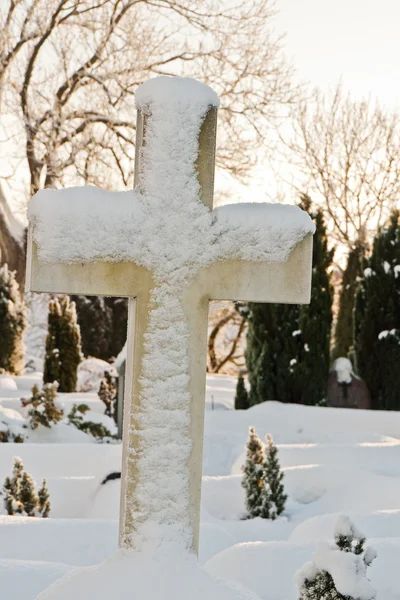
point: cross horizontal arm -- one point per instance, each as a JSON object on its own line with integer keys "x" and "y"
{"x": 87, "y": 279}
{"x": 241, "y": 280}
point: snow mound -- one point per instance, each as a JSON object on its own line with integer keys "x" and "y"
{"x": 7, "y": 383}
{"x": 91, "y": 372}
{"x": 162, "y": 577}
{"x": 348, "y": 571}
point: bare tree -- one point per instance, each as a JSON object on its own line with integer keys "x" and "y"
{"x": 69, "y": 70}
{"x": 347, "y": 154}
{"x": 226, "y": 331}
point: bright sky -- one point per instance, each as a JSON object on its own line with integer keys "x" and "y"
{"x": 358, "y": 40}
{"x": 355, "y": 40}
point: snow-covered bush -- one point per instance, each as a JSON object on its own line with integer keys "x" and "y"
{"x": 76, "y": 419}
{"x": 338, "y": 571}
{"x": 12, "y": 323}
{"x": 273, "y": 479}
{"x": 20, "y": 496}
{"x": 257, "y": 495}
{"x": 43, "y": 410}
{"x": 8, "y": 436}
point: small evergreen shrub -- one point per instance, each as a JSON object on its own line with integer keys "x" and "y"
{"x": 257, "y": 495}
{"x": 43, "y": 410}
{"x": 108, "y": 395}
{"x": 242, "y": 396}
{"x": 8, "y": 436}
{"x": 76, "y": 419}
{"x": 338, "y": 572}
{"x": 273, "y": 478}
{"x": 20, "y": 497}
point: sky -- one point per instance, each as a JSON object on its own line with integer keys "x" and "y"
{"x": 325, "y": 40}
{"x": 357, "y": 41}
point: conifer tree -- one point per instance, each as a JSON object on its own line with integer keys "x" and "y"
{"x": 119, "y": 308}
{"x": 377, "y": 319}
{"x": 315, "y": 583}
{"x": 20, "y": 496}
{"x": 44, "y": 500}
{"x": 27, "y": 496}
{"x": 344, "y": 330}
{"x": 12, "y": 323}
{"x": 108, "y": 394}
{"x": 257, "y": 500}
{"x": 52, "y": 361}
{"x": 43, "y": 410}
{"x": 95, "y": 320}
{"x": 11, "y": 489}
{"x": 274, "y": 478}
{"x": 63, "y": 345}
{"x": 241, "y": 397}
{"x": 288, "y": 346}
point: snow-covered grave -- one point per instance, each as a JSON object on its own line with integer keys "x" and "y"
{"x": 165, "y": 248}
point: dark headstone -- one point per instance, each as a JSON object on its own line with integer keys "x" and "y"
{"x": 345, "y": 389}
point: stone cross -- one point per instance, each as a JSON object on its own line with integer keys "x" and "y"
{"x": 152, "y": 331}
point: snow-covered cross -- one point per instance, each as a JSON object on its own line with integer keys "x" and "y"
{"x": 164, "y": 247}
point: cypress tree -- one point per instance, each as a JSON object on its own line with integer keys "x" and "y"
{"x": 241, "y": 397}
{"x": 344, "y": 330}
{"x": 12, "y": 323}
{"x": 52, "y": 361}
{"x": 257, "y": 500}
{"x": 44, "y": 500}
{"x": 274, "y": 478}
{"x": 119, "y": 308}
{"x": 377, "y": 319}
{"x": 288, "y": 346}
{"x": 315, "y": 322}
{"x": 27, "y": 495}
{"x": 11, "y": 489}
{"x": 95, "y": 320}
{"x": 63, "y": 345}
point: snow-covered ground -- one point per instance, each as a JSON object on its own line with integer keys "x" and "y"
{"x": 335, "y": 461}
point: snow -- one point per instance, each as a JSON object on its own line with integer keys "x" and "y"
{"x": 345, "y": 527}
{"x": 7, "y": 383}
{"x": 348, "y": 571}
{"x": 179, "y": 576}
{"x": 343, "y": 369}
{"x": 334, "y": 460}
{"x": 91, "y": 372}
{"x": 386, "y": 333}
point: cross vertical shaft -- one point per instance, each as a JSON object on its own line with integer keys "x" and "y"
{"x": 137, "y": 325}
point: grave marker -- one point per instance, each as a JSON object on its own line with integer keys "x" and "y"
{"x": 171, "y": 254}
